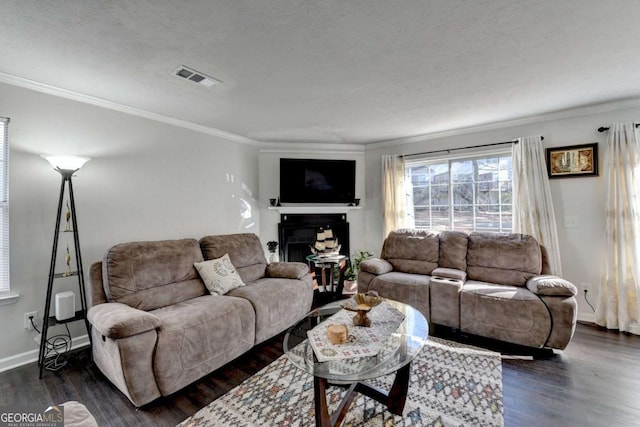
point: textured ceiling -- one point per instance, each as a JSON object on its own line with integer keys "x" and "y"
{"x": 354, "y": 71}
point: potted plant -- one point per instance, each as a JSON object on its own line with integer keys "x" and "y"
{"x": 351, "y": 272}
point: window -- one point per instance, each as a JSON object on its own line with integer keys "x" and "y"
{"x": 461, "y": 193}
{"x": 4, "y": 206}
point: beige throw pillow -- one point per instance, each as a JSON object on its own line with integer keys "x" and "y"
{"x": 219, "y": 275}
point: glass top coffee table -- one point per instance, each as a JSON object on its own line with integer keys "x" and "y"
{"x": 396, "y": 354}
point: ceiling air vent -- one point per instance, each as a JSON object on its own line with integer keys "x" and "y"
{"x": 195, "y": 76}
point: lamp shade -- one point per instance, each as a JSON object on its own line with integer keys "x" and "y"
{"x": 66, "y": 163}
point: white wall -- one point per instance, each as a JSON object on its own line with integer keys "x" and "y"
{"x": 269, "y": 170}
{"x": 582, "y": 247}
{"x": 146, "y": 181}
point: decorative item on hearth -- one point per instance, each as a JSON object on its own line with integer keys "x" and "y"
{"x": 272, "y": 246}
{"x": 325, "y": 244}
{"x": 364, "y": 304}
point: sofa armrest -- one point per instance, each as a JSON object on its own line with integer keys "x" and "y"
{"x": 287, "y": 270}
{"x": 376, "y": 266}
{"x": 450, "y": 273}
{"x": 115, "y": 320}
{"x": 551, "y": 286}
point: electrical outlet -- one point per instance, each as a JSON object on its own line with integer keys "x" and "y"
{"x": 27, "y": 322}
{"x": 586, "y": 286}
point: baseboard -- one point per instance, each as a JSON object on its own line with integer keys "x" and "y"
{"x": 31, "y": 356}
{"x": 589, "y": 318}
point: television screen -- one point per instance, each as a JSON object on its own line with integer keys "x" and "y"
{"x": 317, "y": 181}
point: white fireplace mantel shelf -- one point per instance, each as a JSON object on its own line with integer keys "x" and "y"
{"x": 311, "y": 209}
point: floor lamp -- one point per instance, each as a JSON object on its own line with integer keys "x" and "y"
{"x": 66, "y": 166}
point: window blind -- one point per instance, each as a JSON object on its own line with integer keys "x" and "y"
{"x": 4, "y": 205}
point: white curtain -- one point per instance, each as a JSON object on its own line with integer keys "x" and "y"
{"x": 394, "y": 197}
{"x": 532, "y": 205}
{"x": 619, "y": 298}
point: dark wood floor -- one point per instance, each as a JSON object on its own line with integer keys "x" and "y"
{"x": 594, "y": 382}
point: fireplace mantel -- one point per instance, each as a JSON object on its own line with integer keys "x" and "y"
{"x": 313, "y": 209}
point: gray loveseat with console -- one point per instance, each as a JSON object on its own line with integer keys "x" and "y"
{"x": 488, "y": 284}
{"x": 155, "y": 326}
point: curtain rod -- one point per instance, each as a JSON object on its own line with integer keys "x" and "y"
{"x": 602, "y": 128}
{"x": 515, "y": 141}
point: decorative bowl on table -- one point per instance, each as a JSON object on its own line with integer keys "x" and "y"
{"x": 364, "y": 304}
{"x": 367, "y": 299}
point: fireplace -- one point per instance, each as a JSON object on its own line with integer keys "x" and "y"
{"x": 297, "y": 232}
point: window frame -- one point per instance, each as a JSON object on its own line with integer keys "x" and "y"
{"x": 6, "y": 296}
{"x": 451, "y": 205}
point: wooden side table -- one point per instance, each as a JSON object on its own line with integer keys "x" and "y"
{"x": 328, "y": 265}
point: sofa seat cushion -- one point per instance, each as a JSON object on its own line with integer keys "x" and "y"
{"x": 277, "y": 302}
{"x": 507, "y": 313}
{"x": 412, "y": 289}
{"x": 507, "y": 259}
{"x": 412, "y": 251}
{"x": 150, "y": 275}
{"x": 198, "y": 336}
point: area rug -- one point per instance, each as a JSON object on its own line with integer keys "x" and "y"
{"x": 451, "y": 385}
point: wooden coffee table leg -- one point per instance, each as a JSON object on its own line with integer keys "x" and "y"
{"x": 394, "y": 399}
{"x": 320, "y": 399}
{"x": 398, "y": 393}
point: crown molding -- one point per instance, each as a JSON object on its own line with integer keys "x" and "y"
{"x": 104, "y": 103}
{"x": 556, "y": 115}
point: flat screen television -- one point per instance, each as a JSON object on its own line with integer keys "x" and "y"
{"x": 317, "y": 181}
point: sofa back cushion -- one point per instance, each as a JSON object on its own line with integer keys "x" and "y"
{"x": 507, "y": 259}
{"x": 453, "y": 250}
{"x": 245, "y": 251}
{"x": 150, "y": 275}
{"x": 412, "y": 251}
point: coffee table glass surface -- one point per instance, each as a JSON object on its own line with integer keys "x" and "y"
{"x": 398, "y": 350}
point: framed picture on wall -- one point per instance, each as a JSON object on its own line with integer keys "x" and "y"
{"x": 572, "y": 161}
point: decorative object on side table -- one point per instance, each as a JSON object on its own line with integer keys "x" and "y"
{"x": 326, "y": 243}
{"x": 272, "y": 246}
{"x": 337, "y": 333}
{"x": 572, "y": 161}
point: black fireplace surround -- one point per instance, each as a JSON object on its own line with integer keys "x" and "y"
{"x": 297, "y": 232}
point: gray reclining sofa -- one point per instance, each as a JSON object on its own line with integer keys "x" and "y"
{"x": 488, "y": 284}
{"x": 156, "y": 328}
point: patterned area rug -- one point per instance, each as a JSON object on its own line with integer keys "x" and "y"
{"x": 451, "y": 385}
